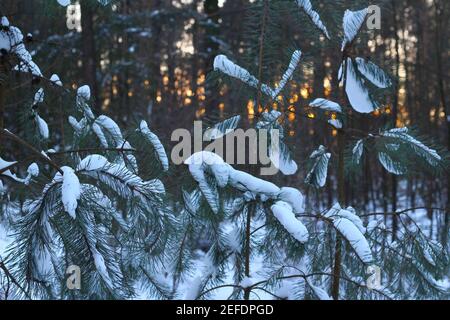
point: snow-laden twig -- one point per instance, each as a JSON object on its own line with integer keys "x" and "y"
{"x": 313, "y": 15}
{"x": 154, "y": 140}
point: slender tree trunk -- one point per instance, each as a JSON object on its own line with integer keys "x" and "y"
{"x": 342, "y": 201}
{"x": 438, "y": 17}
{"x": 3, "y": 73}
{"x": 395, "y": 116}
{"x": 248, "y": 240}
{"x": 210, "y": 48}
{"x": 261, "y": 52}
{"x": 89, "y": 52}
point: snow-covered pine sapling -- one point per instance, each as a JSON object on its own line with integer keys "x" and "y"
{"x": 91, "y": 211}
{"x": 103, "y": 209}
{"x": 398, "y": 150}
{"x": 247, "y": 213}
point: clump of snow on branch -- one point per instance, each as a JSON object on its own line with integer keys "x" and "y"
{"x": 294, "y": 198}
{"x": 351, "y": 227}
{"x": 84, "y": 94}
{"x": 55, "y": 80}
{"x": 335, "y": 123}
{"x": 40, "y": 123}
{"x": 247, "y": 282}
{"x": 326, "y": 105}
{"x": 289, "y": 200}
{"x": 285, "y": 215}
{"x": 43, "y": 127}
{"x": 70, "y": 190}
{"x": 357, "y": 92}
{"x": 320, "y": 293}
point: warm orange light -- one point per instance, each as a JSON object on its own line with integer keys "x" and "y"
{"x": 165, "y": 80}
{"x": 201, "y": 79}
{"x": 260, "y": 109}
{"x": 291, "y": 117}
{"x": 304, "y": 92}
{"x": 200, "y": 112}
{"x": 251, "y": 108}
{"x": 311, "y": 115}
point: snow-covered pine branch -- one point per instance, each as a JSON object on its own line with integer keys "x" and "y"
{"x": 403, "y": 137}
{"x": 313, "y": 15}
{"x": 355, "y": 73}
{"x": 12, "y": 42}
{"x": 352, "y": 24}
{"x": 373, "y": 73}
{"x": 355, "y": 86}
{"x": 226, "y": 66}
{"x": 357, "y": 152}
{"x": 279, "y": 153}
{"x": 287, "y": 76}
{"x": 392, "y": 166}
{"x": 290, "y": 201}
{"x": 222, "y": 128}
{"x": 154, "y": 140}
{"x": 317, "y": 175}
{"x": 41, "y": 124}
{"x": 326, "y": 105}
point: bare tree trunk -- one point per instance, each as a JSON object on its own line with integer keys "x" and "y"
{"x": 3, "y": 74}
{"x": 250, "y": 210}
{"x": 395, "y": 116}
{"x": 439, "y": 11}
{"x": 88, "y": 46}
{"x": 342, "y": 201}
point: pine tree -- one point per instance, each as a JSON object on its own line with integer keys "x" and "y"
{"x": 96, "y": 203}
{"x": 293, "y": 264}
{"x": 80, "y": 192}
